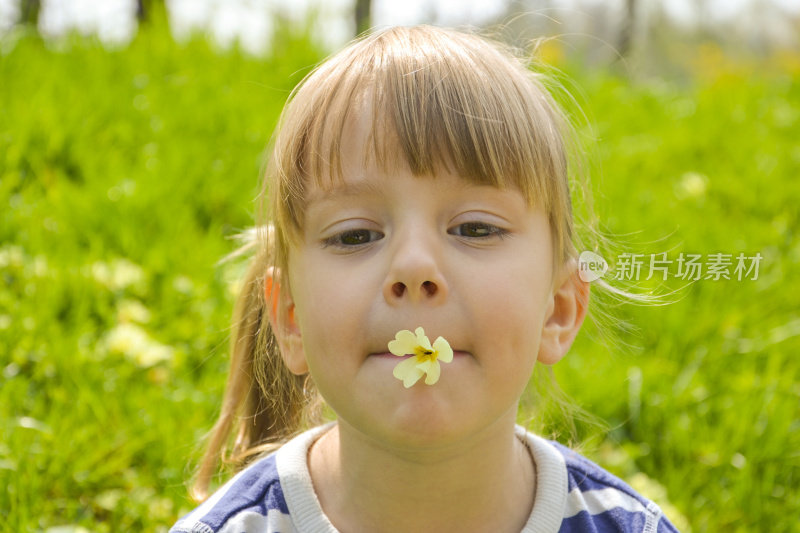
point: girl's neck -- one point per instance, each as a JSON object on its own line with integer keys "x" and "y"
{"x": 488, "y": 484}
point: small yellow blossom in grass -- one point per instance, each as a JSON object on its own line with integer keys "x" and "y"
{"x": 136, "y": 344}
{"x": 426, "y": 356}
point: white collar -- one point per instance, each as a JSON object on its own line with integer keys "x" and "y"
{"x": 306, "y": 512}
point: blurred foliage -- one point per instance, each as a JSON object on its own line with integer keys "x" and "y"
{"x": 122, "y": 173}
{"x": 702, "y": 394}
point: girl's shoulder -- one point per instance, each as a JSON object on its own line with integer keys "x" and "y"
{"x": 273, "y": 494}
{"x": 252, "y": 496}
{"x": 597, "y": 500}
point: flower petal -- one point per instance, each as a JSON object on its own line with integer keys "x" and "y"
{"x": 402, "y": 368}
{"x": 443, "y": 350}
{"x": 411, "y": 380}
{"x": 422, "y": 339}
{"x": 407, "y": 372}
{"x": 433, "y": 373}
{"x": 424, "y": 366}
{"x": 404, "y": 343}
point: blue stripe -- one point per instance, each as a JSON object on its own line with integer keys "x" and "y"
{"x": 613, "y": 520}
{"x": 586, "y": 475}
{"x": 258, "y": 490}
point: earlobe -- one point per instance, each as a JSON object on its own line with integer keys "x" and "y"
{"x": 280, "y": 308}
{"x": 565, "y": 314}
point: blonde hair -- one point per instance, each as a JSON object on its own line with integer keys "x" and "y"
{"x": 437, "y": 99}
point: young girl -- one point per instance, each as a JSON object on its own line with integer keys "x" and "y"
{"x": 418, "y": 180}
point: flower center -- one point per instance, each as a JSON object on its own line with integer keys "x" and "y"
{"x": 424, "y": 354}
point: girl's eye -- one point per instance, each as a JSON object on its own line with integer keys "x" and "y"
{"x": 477, "y": 230}
{"x": 353, "y": 237}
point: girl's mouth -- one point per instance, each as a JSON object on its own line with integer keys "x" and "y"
{"x": 456, "y": 353}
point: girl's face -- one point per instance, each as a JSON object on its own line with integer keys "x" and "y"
{"x": 383, "y": 252}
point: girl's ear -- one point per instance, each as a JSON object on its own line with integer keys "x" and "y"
{"x": 280, "y": 307}
{"x": 565, "y": 313}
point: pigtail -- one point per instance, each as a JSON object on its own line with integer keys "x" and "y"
{"x": 264, "y": 403}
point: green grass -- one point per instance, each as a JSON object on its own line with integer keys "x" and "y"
{"x": 122, "y": 173}
{"x": 708, "y": 402}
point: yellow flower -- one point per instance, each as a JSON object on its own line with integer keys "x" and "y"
{"x": 426, "y": 357}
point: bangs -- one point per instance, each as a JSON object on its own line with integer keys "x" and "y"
{"x": 433, "y": 99}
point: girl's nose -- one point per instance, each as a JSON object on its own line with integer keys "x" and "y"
{"x": 415, "y": 275}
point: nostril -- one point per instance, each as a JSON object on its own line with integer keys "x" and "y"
{"x": 398, "y": 289}
{"x": 429, "y": 287}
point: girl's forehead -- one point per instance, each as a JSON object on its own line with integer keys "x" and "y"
{"x": 363, "y": 179}
{"x": 367, "y": 151}
{"x": 360, "y": 135}
{"x": 361, "y": 145}
{"x": 375, "y": 181}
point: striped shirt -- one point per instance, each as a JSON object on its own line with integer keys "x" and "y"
{"x": 275, "y": 495}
